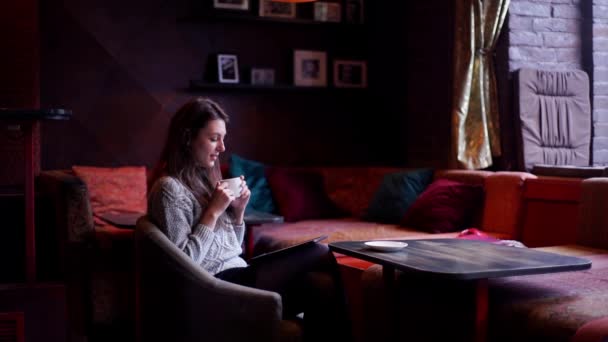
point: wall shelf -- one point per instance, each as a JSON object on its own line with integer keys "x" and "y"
{"x": 198, "y": 85}
{"x": 327, "y": 31}
{"x": 217, "y": 15}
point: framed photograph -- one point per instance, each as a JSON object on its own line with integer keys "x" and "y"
{"x": 310, "y": 68}
{"x": 228, "y": 68}
{"x": 350, "y": 74}
{"x": 354, "y": 12}
{"x": 275, "y": 9}
{"x": 262, "y": 76}
{"x": 328, "y": 11}
{"x": 232, "y": 4}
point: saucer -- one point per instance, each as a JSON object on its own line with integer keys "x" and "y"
{"x": 386, "y": 246}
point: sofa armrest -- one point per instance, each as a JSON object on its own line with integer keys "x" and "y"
{"x": 73, "y": 213}
{"x": 503, "y": 207}
{"x": 179, "y": 301}
{"x": 593, "y": 214}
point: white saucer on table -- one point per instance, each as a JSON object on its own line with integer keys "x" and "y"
{"x": 386, "y": 246}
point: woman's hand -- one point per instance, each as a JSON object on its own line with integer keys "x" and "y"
{"x": 220, "y": 200}
{"x": 240, "y": 203}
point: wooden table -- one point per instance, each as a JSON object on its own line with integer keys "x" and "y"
{"x": 466, "y": 260}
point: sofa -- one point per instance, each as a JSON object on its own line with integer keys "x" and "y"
{"x": 105, "y": 252}
{"x": 96, "y": 262}
{"x": 570, "y": 306}
{"x": 500, "y": 214}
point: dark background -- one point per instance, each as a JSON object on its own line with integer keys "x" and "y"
{"x": 124, "y": 67}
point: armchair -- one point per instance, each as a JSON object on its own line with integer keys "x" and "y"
{"x": 178, "y": 301}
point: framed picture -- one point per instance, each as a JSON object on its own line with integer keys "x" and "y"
{"x": 310, "y": 68}
{"x": 328, "y": 11}
{"x": 262, "y": 76}
{"x": 275, "y": 9}
{"x": 228, "y": 68}
{"x": 354, "y": 12}
{"x": 232, "y": 4}
{"x": 350, "y": 74}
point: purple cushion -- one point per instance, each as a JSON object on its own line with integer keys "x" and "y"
{"x": 445, "y": 206}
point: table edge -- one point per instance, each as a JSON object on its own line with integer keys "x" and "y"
{"x": 584, "y": 265}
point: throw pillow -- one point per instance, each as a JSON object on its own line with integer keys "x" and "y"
{"x": 254, "y": 172}
{"x": 300, "y": 195}
{"x": 445, "y": 206}
{"x": 476, "y": 234}
{"x": 121, "y": 189}
{"x": 396, "y": 194}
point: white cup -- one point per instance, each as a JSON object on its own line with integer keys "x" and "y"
{"x": 234, "y": 185}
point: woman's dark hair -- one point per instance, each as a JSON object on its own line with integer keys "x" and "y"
{"x": 176, "y": 159}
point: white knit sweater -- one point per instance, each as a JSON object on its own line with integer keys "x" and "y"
{"x": 175, "y": 210}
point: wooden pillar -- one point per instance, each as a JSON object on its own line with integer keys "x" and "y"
{"x": 20, "y": 88}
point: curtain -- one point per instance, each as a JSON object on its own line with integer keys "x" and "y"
{"x": 475, "y": 120}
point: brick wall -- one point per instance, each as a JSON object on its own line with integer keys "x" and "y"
{"x": 545, "y": 34}
{"x": 566, "y": 34}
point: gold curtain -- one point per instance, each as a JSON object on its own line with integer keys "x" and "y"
{"x": 475, "y": 125}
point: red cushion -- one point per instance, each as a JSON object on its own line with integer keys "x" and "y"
{"x": 300, "y": 195}
{"x": 121, "y": 189}
{"x": 476, "y": 234}
{"x": 445, "y": 206}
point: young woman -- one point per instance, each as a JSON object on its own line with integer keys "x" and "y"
{"x": 204, "y": 219}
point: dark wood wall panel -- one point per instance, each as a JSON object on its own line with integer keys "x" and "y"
{"x": 19, "y": 81}
{"x": 123, "y": 69}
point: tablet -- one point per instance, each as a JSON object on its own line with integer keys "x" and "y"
{"x": 286, "y": 250}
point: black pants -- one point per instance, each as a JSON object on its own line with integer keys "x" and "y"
{"x": 308, "y": 281}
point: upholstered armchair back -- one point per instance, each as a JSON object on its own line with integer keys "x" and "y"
{"x": 554, "y": 117}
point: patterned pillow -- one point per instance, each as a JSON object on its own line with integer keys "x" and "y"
{"x": 121, "y": 189}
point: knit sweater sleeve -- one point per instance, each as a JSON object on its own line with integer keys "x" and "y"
{"x": 239, "y": 230}
{"x": 172, "y": 211}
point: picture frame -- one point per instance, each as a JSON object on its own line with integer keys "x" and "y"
{"x": 242, "y": 5}
{"x": 274, "y": 9}
{"x": 327, "y": 12}
{"x": 227, "y": 68}
{"x": 354, "y": 12}
{"x": 310, "y": 68}
{"x": 350, "y": 74}
{"x": 262, "y": 76}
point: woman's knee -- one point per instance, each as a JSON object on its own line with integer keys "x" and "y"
{"x": 322, "y": 256}
{"x": 322, "y": 284}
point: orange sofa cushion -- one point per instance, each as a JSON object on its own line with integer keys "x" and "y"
{"x": 352, "y": 188}
{"x": 121, "y": 189}
{"x": 473, "y": 177}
